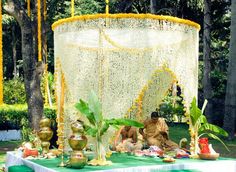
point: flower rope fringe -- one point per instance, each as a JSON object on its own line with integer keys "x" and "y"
{"x": 39, "y": 31}
{"x": 28, "y": 8}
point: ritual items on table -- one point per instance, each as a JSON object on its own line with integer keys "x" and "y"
{"x": 203, "y": 144}
{"x": 206, "y": 150}
{"x": 28, "y": 150}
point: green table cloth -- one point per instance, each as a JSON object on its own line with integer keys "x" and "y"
{"x": 124, "y": 162}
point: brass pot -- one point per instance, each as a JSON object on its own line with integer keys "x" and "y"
{"x": 45, "y": 134}
{"x": 45, "y": 122}
{"x": 45, "y": 146}
{"x": 77, "y": 141}
{"x": 77, "y": 160}
{"x": 77, "y": 127}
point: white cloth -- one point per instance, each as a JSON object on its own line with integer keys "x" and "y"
{"x": 13, "y": 158}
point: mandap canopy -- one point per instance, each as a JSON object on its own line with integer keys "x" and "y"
{"x": 129, "y": 60}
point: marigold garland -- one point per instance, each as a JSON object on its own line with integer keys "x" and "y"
{"x": 131, "y": 15}
{"x": 28, "y": 8}
{"x": 60, "y": 107}
{"x": 46, "y": 84}
{"x": 39, "y": 31}
{"x": 1, "y": 56}
{"x": 139, "y": 101}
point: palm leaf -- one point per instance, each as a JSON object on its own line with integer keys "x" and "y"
{"x": 84, "y": 109}
{"x": 95, "y": 107}
{"x": 213, "y": 128}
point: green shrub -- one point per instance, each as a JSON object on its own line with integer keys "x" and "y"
{"x": 168, "y": 109}
{"x": 14, "y": 91}
{"x": 15, "y": 117}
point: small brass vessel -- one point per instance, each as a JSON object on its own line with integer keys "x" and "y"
{"x": 45, "y": 134}
{"x": 77, "y": 142}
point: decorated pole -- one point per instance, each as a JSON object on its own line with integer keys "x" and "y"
{"x": 1, "y": 56}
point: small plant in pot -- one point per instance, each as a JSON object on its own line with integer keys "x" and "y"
{"x": 97, "y": 126}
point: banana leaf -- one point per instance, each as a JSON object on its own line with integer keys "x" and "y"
{"x": 125, "y": 122}
{"x": 95, "y": 107}
{"x": 104, "y": 128}
{"x": 195, "y": 112}
{"x": 213, "y": 128}
{"x": 84, "y": 109}
{"x": 204, "y": 105}
{"x": 90, "y": 131}
{"x": 217, "y": 138}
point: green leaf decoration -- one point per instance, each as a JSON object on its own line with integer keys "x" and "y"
{"x": 217, "y": 138}
{"x": 195, "y": 112}
{"x": 90, "y": 131}
{"x": 125, "y": 122}
{"x": 203, "y": 119}
{"x": 93, "y": 111}
{"x": 213, "y": 128}
{"x": 104, "y": 128}
{"x": 84, "y": 109}
{"x": 95, "y": 106}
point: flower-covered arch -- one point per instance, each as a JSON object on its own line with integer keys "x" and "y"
{"x": 129, "y": 60}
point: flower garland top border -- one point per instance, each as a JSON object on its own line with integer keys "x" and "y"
{"x": 130, "y": 15}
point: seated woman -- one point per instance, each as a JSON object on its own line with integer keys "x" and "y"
{"x": 156, "y": 133}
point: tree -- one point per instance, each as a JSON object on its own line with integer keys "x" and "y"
{"x": 230, "y": 99}
{"x": 31, "y": 67}
{"x": 207, "y": 86}
{"x": 153, "y": 6}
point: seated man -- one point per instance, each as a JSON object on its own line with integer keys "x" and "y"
{"x": 129, "y": 132}
{"x": 156, "y": 133}
{"x": 129, "y": 140}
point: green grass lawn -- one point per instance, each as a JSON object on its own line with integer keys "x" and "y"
{"x": 7, "y": 146}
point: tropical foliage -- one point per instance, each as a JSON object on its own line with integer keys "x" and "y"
{"x": 199, "y": 125}
{"x": 98, "y": 125}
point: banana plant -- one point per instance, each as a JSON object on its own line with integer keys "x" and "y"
{"x": 97, "y": 126}
{"x": 199, "y": 126}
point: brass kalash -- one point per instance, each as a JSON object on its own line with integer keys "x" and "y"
{"x": 77, "y": 142}
{"x": 45, "y": 134}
